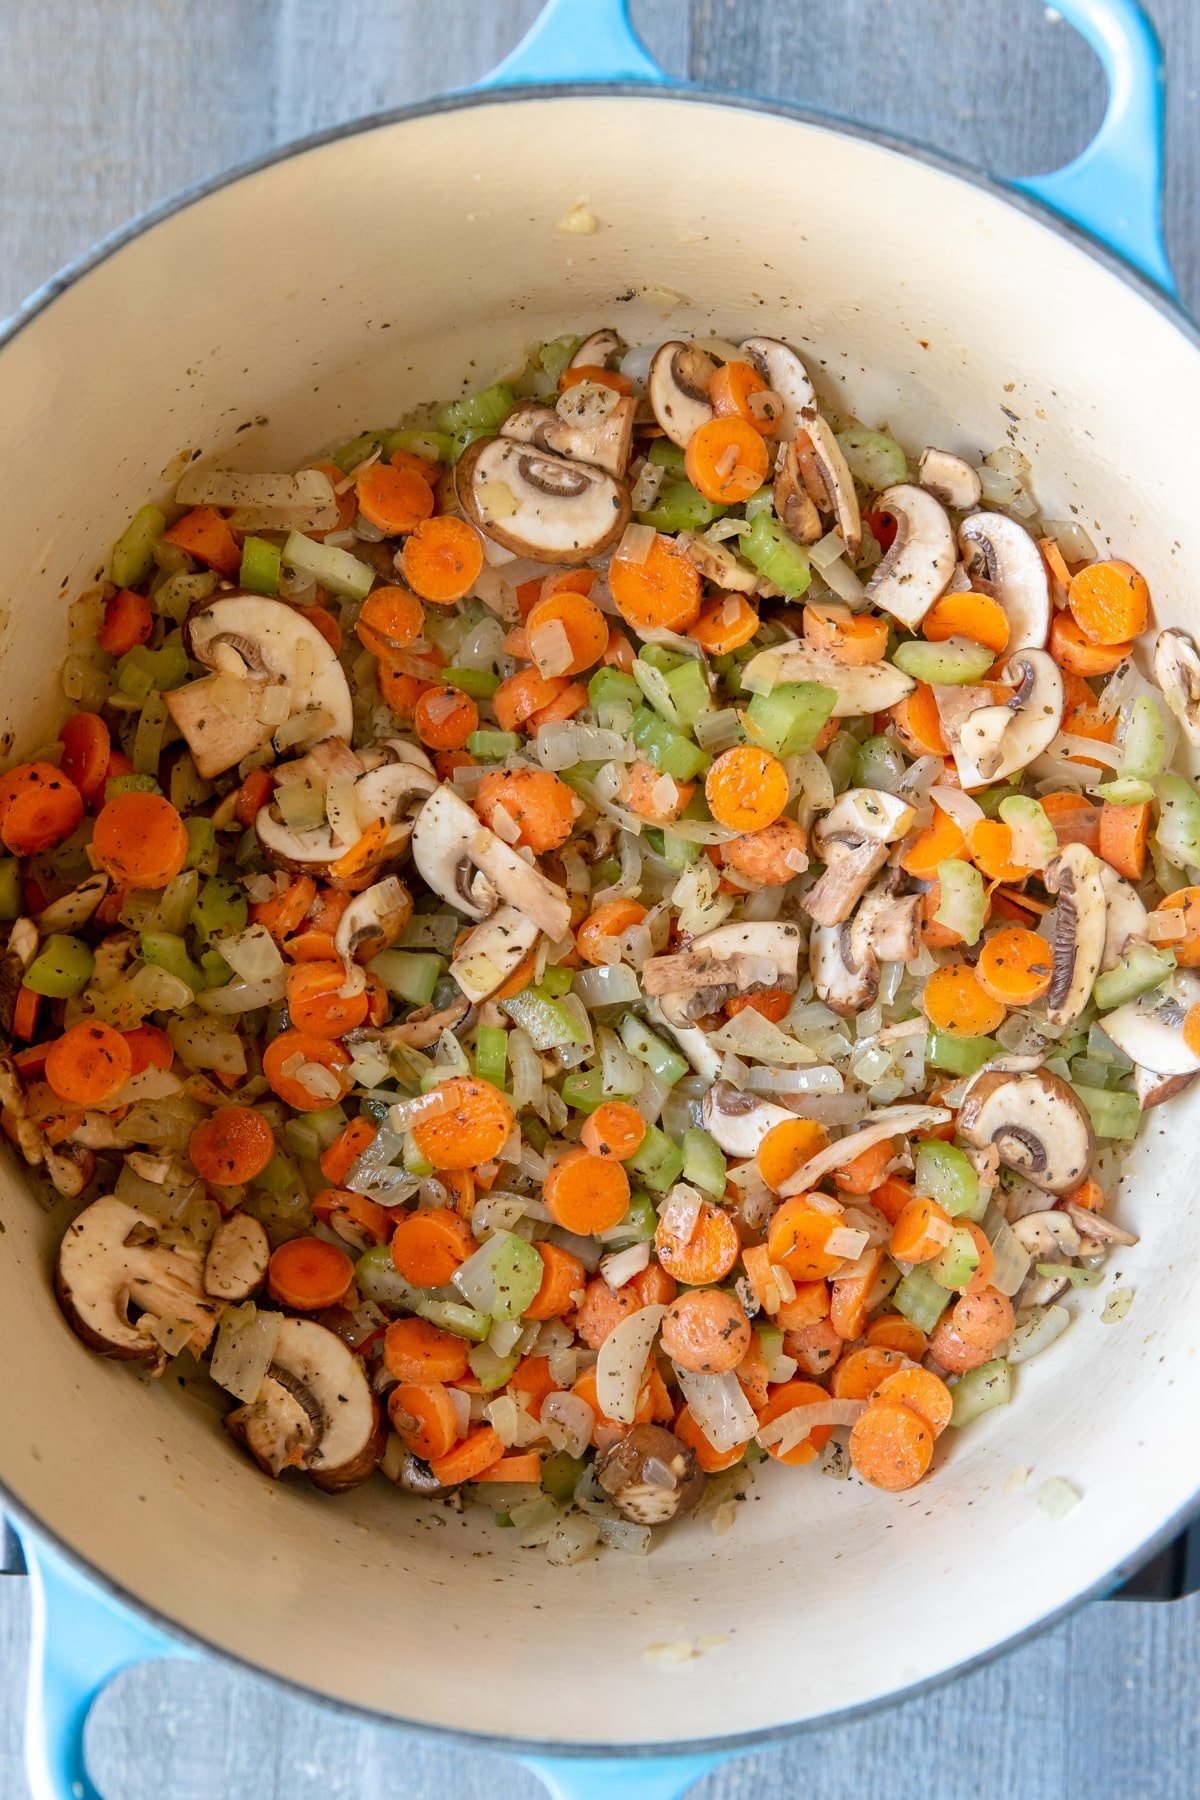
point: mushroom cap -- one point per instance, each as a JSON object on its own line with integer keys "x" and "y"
{"x": 1177, "y": 672}
{"x": 1001, "y": 549}
{"x": 1150, "y": 1029}
{"x": 738, "y": 1120}
{"x": 386, "y": 792}
{"x": 471, "y": 868}
{"x": 373, "y": 920}
{"x": 111, "y": 1258}
{"x": 537, "y": 504}
{"x": 1080, "y": 920}
{"x": 866, "y": 688}
{"x": 741, "y": 957}
{"x": 677, "y": 385}
{"x": 836, "y": 478}
{"x": 596, "y": 350}
{"x": 650, "y": 1475}
{"x": 949, "y": 479}
{"x": 315, "y": 1410}
{"x": 1036, "y": 1121}
{"x": 236, "y": 1264}
{"x": 994, "y": 741}
{"x": 918, "y": 567}
{"x": 783, "y": 371}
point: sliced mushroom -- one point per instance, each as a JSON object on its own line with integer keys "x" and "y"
{"x": 917, "y": 569}
{"x": 488, "y": 955}
{"x": 852, "y": 840}
{"x": 1177, "y": 672}
{"x": 1100, "y": 1231}
{"x": 875, "y": 1128}
{"x": 422, "y": 1028}
{"x": 236, "y": 1264}
{"x": 111, "y": 1258}
{"x": 72, "y": 910}
{"x": 470, "y": 867}
{"x": 539, "y": 505}
{"x": 16, "y": 1117}
{"x": 1150, "y": 1029}
{"x": 410, "y": 1473}
{"x": 598, "y": 350}
{"x": 794, "y": 505}
{"x": 718, "y": 564}
{"x": 732, "y": 959}
{"x": 315, "y": 1411}
{"x": 827, "y": 477}
{"x": 373, "y": 920}
{"x": 1125, "y": 916}
{"x": 1036, "y": 1121}
{"x": 678, "y": 383}
{"x": 949, "y": 479}
{"x": 1153, "y": 1090}
{"x": 869, "y": 688}
{"x": 993, "y": 741}
{"x": 739, "y": 1121}
{"x": 579, "y": 431}
{"x": 650, "y": 1475}
{"x": 1077, "y": 945}
{"x": 390, "y": 793}
{"x": 1047, "y": 1236}
{"x": 71, "y": 1168}
{"x": 844, "y": 959}
{"x": 261, "y": 643}
{"x": 785, "y": 375}
{"x": 1000, "y": 549}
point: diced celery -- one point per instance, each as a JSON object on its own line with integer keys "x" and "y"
{"x": 954, "y": 660}
{"x": 202, "y": 844}
{"x": 535, "y": 1132}
{"x": 962, "y": 903}
{"x": 215, "y": 970}
{"x": 1144, "y": 743}
{"x": 129, "y": 784}
{"x": 1142, "y": 967}
{"x": 476, "y": 415}
{"x": 380, "y": 1280}
{"x": 221, "y": 909}
{"x": 703, "y": 1162}
{"x": 493, "y": 746}
{"x": 768, "y": 548}
{"x": 959, "y": 1055}
{"x": 657, "y": 1162}
{"x": 561, "y": 1474}
{"x": 661, "y": 656}
{"x": 419, "y": 440}
{"x": 335, "y": 569}
{"x": 1068, "y": 1272}
{"x": 480, "y": 684}
{"x": 839, "y": 760}
{"x": 555, "y": 356}
{"x": 583, "y": 1090}
{"x": 10, "y": 888}
{"x": 957, "y": 1261}
{"x": 638, "y": 1226}
{"x": 409, "y": 975}
{"x": 981, "y": 1389}
{"x": 943, "y": 1172}
{"x": 140, "y": 671}
{"x": 920, "y": 1298}
{"x": 789, "y": 719}
{"x": 62, "y": 967}
{"x": 556, "y": 980}
{"x": 491, "y": 1054}
{"x": 606, "y": 873}
{"x": 873, "y": 458}
{"x": 668, "y": 750}
{"x": 1034, "y": 840}
{"x": 502, "y": 1277}
{"x": 991, "y": 799}
{"x": 163, "y": 950}
{"x": 678, "y": 852}
{"x": 1113, "y": 1114}
{"x": 261, "y": 561}
{"x": 665, "y": 454}
{"x": 1178, "y": 831}
{"x": 414, "y": 1162}
{"x": 280, "y": 1176}
{"x": 133, "y": 552}
{"x": 549, "y": 1023}
{"x": 880, "y": 763}
{"x": 689, "y": 690}
{"x": 612, "y": 687}
{"x": 654, "y": 1051}
{"x": 349, "y": 455}
{"x": 1126, "y": 791}
{"x": 492, "y": 1371}
{"x": 678, "y": 506}
{"x": 452, "y": 1316}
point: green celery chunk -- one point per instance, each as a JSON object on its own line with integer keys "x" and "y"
{"x": 502, "y": 1277}
{"x": 334, "y": 568}
{"x": 133, "y": 552}
{"x": 561, "y": 1475}
{"x": 1178, "y": 831}
{"x": 1144, "y": 743}
{"x": 678, "y": 851}
{"x": 261, "y": 562}
{"x": 452, "y": 1316}
{"x": 953, "y": 660}
{"x": 768, "y": 548}
{"x": 491, "y": 1054}
{"x": 492, "y": 1371}
{"x": 665, "y": 454}
{"x": 163, "y": 950}
{"x": 1127, "y": 790}
{"x": 654, "y": 1051}
{"x": 612, "y": 687}
{"x": 10, "y": 889}
{"x": 476, "y": 415}
{"x": 657, "y": 1162}
{"x": 703, "y": 1162}
{"x": 957, "y": 1261}
{"x": 1141, "y": 968}
{"x": 202, "y": 844}
{"x": 493, "y": 746}
{"x": 349, "y": 455}
{"x": 991, "y": 799}
{"x": 962, "y": 906}
{"x": 959, "y": 1055}
{"x": 215, "y": 970}
{"x": 1113, "y": 1114}
{"x": 419, "y": 440}
{"x": 62, "y": 967}
{"x": 667, "y": 749}
{"x": 549, "y": 1023}
{"x": 129, "y": 784}
{"x": 1034, "y": 838}
{"x": 557, "y": 981}
{"x": 221, "y": 910}
{"x": 480, "y": 684}
{"x": 556, "y": 355}
{"x": 638, "y": 1225}
{"x": 689, "y": 691}
{"x": 409, "y": 975}
{"x": 380, "y": 1280}
{"x": 980, "y": 1389}
{"x": 583, "y": 1090}
{"x": 140, "y": 671}
{"x": 873, "y": 458}
{"x": 880, "y": 762}
{"x": 920, "y": 1298}
{"x": 789, "y": 719}
{"x": 943, "y": 1172}
{"x": 678, "y": 506}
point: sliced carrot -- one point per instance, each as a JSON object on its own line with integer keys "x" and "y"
{"x": 711, "y": 1461}
{"x": 562, "y": 1276}
{"x": 918, "y": 723}
{"x": 290, "y": 1064}
{"x": 1075, "y": 819}
{"x": 851, "y": 638}
{"x": 1125, "y": 838}
{"x": 808, "y": 1306}
{"x": 985, "y": 1268}
{"x": 753, "y": 1374}
{"x": 940, "y": 839}
{"x": 444, "y": 718}
{"x": 150, "y": 1048}
{"x": 757, "y": 1263}
{"x": 891, "y": 1197}
{"x": 526, "y": 1465}
{"x": 128, "y": 620}
{"x": 954, "y": 1002}
{"x": 663, "y": 589}
{"x": 923, "y": 1392}
{"x": 865, "y": 1172}
{"x": 140, "y": 840}
{"x": 727, "y": 460}
{"x": 1110, "y": 602}
{"x": 414, "y": 1350}
{"x": 786, "y": 1147}
{"x": 575, "y": 617}
{"x": 921, "y": 1232}
{"x": 442, "y": 558}
{"x": 991, "y": 851}
{"x": 287, "y": 911}
{"x": 892, "y": 1331}
{"x": 796, "y": 1238}
{"x": 586, "y": 1193}
{"x": 522, "y": 695}
{"x": 1073, "y": 650}
{"x": 891, "y": 1446}
{"x": 86, "y": 750}
{"x": 733, "y": 389}
{"x": 309, "y": 1274}
{"x": 982, "y": 1320}
{"x": 601, "y": 1310}
{"x": 204, "y": 534}
{"x": 1089, "y": 1195}
{"x": 315, "y": 1000}
{"x": 423, "y": 1417}
{"x": 88, "y": 1064}
{"x": 340, "y": 1157}
{"x": 770, "y": 1003}
{"x": 231, "y": 1146}
{"x": 615, "y": 1129}
{"x": 974, "y": 616}
{"x": 654, "y": 1287}
{"x": 389, "y": 620}
{"x": 786, "y": 1397}
{"x": 859, "y": 1372}
{"x": 1014, "y": 966}
{"x": 608, "y": 920}
{"x": 640, "y": 793}
{"x": 709, "y": 1254}
{"x": 470, "y": 1457}
{"x": 746, "y": 788}
{"x": 706, "y": 1331}
{"x": 771, "y": 857}
{"x": 849, "y": 1294}
{"x": 725, "y": 625}
{"x": 39, "y": 807}
{"x": 815, "y": 1347}
{"x": 538, "y": 803}
{"x": 352, "y": 1216}
{"x": 1056, "y": 566}
{"x": 569, "y": 700}
{"x": 532, "y": 1381}
{"x": 430, "y": 1244}
{"x": 472, "y": 1125}
{"x": 1187, "y": 901}
{"x": 619, "y": 651}
{"x": 394, "y": 500}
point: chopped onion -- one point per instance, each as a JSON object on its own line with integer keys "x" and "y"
{"x": 622, "y": 1363}
{"x": 550, "y": 648}
{"x": 749, "y": 1034}
{"x": 846, "y": 1242}
{"x": 1036, "y": 1329}
{"x": 243, "y": 1350}
{"x": 620, "y": 1266}
{"x": 645, "y": 489}
{"x": 717, "y": 731}
{"x": 202, "y": 1043}
{"x": 244, "y": 996}
{"x": 561, "y": 746}
{"x": 569, "y": 1421}
{"x": 1071, "y": 538}
{"x": 612, "y": 984}
{"x": 1012, "y": 1260}
{"x": 1057, "y": 1497}
{"x": 253, "y": 954}
{"x": 637, "y": 541}
{"x": 961, "y": 808}
{"x": 792, "y": 1427}
{"x": 679, "y": 1213}
{"x": 301, "y": 502}
{"x": 719, "y": 1407}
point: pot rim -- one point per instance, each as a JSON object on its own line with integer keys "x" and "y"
{"x": 836, "y": 125}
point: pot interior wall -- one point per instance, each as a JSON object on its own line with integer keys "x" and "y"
{"x": 334, "y": 291}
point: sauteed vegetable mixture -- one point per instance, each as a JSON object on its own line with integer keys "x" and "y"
{"x": 608, "y": 932}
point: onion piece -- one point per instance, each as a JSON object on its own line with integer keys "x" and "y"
{"x": 622, "y": 1363}
{"x": 792, "y": 1427}
{"x": 1035, "y": 1331}
{"x": 301, "y": 502}
{"x": 244, "y": 1348}
{"x": 718, "y": 1405}
{"x": 965, "y": 812}
{"x": 899, "y": 1121}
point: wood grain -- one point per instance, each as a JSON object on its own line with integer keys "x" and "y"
{"x": 108, "y": 108}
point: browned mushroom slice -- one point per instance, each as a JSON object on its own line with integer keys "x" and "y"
{"x": 111, "y": 1259}
{"x": 731, "y": 959}
{"x": 678, "y": 383}
{"x": 473, "y": 869}
{"x": 373, "y": 920}
{"x": 991, "y": 741}
{"x": 785, "y": 375}
{"x": 1077, "y": 944}
{"x": 236, "y": 1264}
{"x": 1036, "y": 1121}
{"x": 852, "y": 840}
{"x": 390, "y": 792}
{"x": 314, "y": 1411}
{"x": 538, "y": 505}
{"x": 826, "y": 475}
{"x": 650, "y": 1475}
{"x": 845, "y": 959}
{"x": 589, "y": 424}
{"x": 598, "y": 350}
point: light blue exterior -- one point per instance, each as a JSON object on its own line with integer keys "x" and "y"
{"x": 81, "y": 1636}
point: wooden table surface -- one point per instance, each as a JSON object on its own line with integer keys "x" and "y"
{"x": 107, "y": 108}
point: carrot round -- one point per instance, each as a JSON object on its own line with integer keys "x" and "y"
{"x": 540, "y": 805}
{"x": 352, "y": 1216}
{"x": 783, "y": 1399}
{"x": 430, "y": 1244}
{"x": 711, "y": 1461}
{"x": 568, "y": 700}
{"x": 940, "y": 839}
{"x": 808, "y": 1306}
{"x": 586, "y": 1193}
{"x": 390, "y": 619}
{"x": 891, "y": 1197}
{"x": 991, "y": 844}
{"x": 851, "y": 638}
{"x": 661, "y": 590}
{"x": 473, "y": 1125}
{"x": 89, "y": 1063}
{"x": 859, "y": 1372}
{"x": 730, "y": 393}
{"x": 601, "y": 1310}
{"x": 415, "y": 1350}
{"x": 445, "y": 718}
{"x": 39, "y": 807}
{"x": 796, "y": 1238}
{"x": 441, "y": 559}
{"x": 1074, "y": 651}
{"x": 725, "y": 625}
{"x": 231, "y": 1146}
{"x": 579, "y": 618}
{"x": 891, "y": 1446}
{"x": 562, "y": 1276}
{"x": 850, "y": 1294}
{"x": 710, "y": 1253}
{"x": 469, "y": 1458}
{"x": 309, "y": 1274}
{"x": 654, "y": 1286}
{"x": 1110, "y": 602}
{"x": 727, "y": 460}
{"x": 1075, "y": 819}
{"x": 128, "y": 620}
{"x": 1014, "y": 966}
{"x": 922, "y": 1230}
{"x": 87, "y": 747}
{"x": 1125, "y": 838}
{"x": 288, "y": 1060}
{"x": 984, "y": 1320}
{"x": 786, "y": 1147}
{"x": 892, "y": 1331}
{"x": 615, "y": 1129}
{"x": 706, "y": 1331}
{"x": 574, "y": 373}
{"x": 340, "y": 1156}
{"x": 746, "y": 788}
{"x": 955, "y": 1002}
{"x": 974, "y": 616}
{"x": 771, "y": 857}
{"x": 815, "y": 1347}
{"x": 610, "y": 919}
{"x": 315, "y": 1001}
{"x": 770, "y": 1003}
{"x": 140, "y": 840}
{"x": 639, "y": 793}
{"x": 863, "y": 1174}
{"x": 423, "y": 1417}
{"x": 918, "y": 723}
{"x": 150, "y": 1048}
{"x": 922, "y": 1392}
{"x": 521, "y": 696}
{"x": 394, "y": 500}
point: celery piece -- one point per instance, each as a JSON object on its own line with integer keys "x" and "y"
{"x": 678, "y": 852}
{"x": 980, "y": 1389}
{"x": 502, "y": 1277}
{"x": 221, "y": 909}
{"x": 348, "y": 456}
{"x": 959, "y": 1055}
{"x": 665, "y": 454}
{"x": 1178, "y": 830}
{"x": 133, "y": 552}
{"x": 261, "y": 562}
{"x": 202, "y": 844}
{"x": 880, "y": 763}
{"x": 556, "y": 981}
{"x": 667, "y": 749}
{"x": 953, "y": 660}
{"x": 1141, "y": 968}
{"x": 943, "y": 1172}
{"x": 452, "y": 1316}
{"x": 654, "y": 1051}
{"x": 1126, "y": 791}
{"x": 477, "y": 414}
{"x": 768, "y": 548}
{"x": 280, "y": 1176}
{"x": 1144, "y": 743}
{"x": 419, "y": 440}
{"x": 956, "y": 1262}
{"x": 163, "y": 950}
{"x": 215, "y": 970}
{"x": 414, "y": 1163}
{"x": 1034, "y": 840}
{"x": 1113, "y": 1114}
{"x": 920, "y": 1298}
{"x": 494, "y": 746}
{"x": 134, "y": 673}
{"x": 335, "y": 569}
{"x": 992, "y": 799}
{"x": 689, "y": 691}
{"x": 409, "y": 975}
{"x": 703, "y": 1162}
{"x": 62, "y": 967}
{"x": 555, "y": 356}
{"x": 549, "y": 1023}
{"x": 657, "y": 1161}
{"x": 638, "y": 1225}
{"x": 873, "y": 458}
{"x": 839, "y": 760}
{"x": 1068, "y": 1272}
{"x": 962, "y": 903}
{"x": 378, "y": 1279}
{"x": 10, "y": 889}
{"x": 491, "y": 1054}
{"x": 678, "y": 506}
{"x": 535, "y": 1132}
{"x": 605, "y": 873}
{"x": 583, "y": 1090}
{"x": 612, "y": 687}
{"x": 327, "y": 1123}
{"x": 789, "y": 719}
{"x": 492, "y": 1371}
{"x": 660, "y": 656}
{"x": 561, "y": 1475}
{"x": 480, "y": 684}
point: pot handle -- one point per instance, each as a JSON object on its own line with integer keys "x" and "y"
{"x": 1113, "y": 189}
{"x": 81, "y": 1639}
{"x": 637, "y": 1777}
{"x": 579, "y": 40}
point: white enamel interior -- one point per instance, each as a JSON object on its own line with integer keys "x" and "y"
{"x": 332, "y": 291}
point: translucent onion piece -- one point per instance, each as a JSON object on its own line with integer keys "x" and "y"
{"x": 719, "y": 1407}
{"x": 622, "y": 1363}
{"x": 243, "y": 1350}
